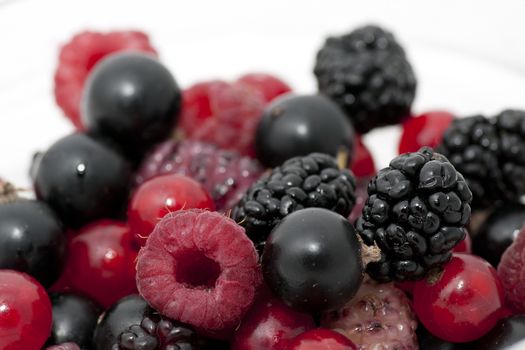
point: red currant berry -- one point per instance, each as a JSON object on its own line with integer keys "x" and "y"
{"x": 25, "y": 312}
{"x": 465, "y": 246}
{"x": 464, "y": 304}
{"x": 266, "y": 84}
{"x": 362, "y": 162}
{"x": 160, "y": 196}
{"x": 101, "y": 262}
{"x": 321, "y": 339}
{"x": 424, "y": 130}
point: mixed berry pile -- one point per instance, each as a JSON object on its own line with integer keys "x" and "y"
{"x": 240, "y": 215}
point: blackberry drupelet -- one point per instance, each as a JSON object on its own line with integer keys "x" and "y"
{"x": 490, "y": 153}
{"x": 416, "y": 213}
{"x": 367, "y": 73}
{"x": 300, "y": 182}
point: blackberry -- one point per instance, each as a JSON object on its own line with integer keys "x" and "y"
{"x": 416, "y": 213}
{"x": 300, "y": 182}
{"x": 490, "y": 153}
{"x": 367, "y": 74}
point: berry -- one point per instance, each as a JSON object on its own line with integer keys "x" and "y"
{"x": 301, "y": 182}
{"x": 79, "y": 56}
{"x": 362, "y": 161}
{"x": 160, "y": 196}
{"x": 429, "y": 342}
{"x": 464, "y": 246}
{"x": 511, "y": 271}
{"x": 225, "y": 174}
{"x": 101, "y": 262}
{"x": 468, "y": 298}
{"x": 416, "y": 212}
{"x": 426, "y": 129}
{"x": 270, "y": 86}
{"x": 25, "y": 312}
{"x": 367, "y": 74}
{"x": 270, "y": 325}
{"x": 299, "y": 125}
{"x": 312, "y": 260}
{"x": 489, "y": 153}
{"x": 222, "y": 114}
{"x": 379, "y": 316}
{"x": 498, "y": 231}
{"x": 321, "y": 339}
{"x": 32, "y": 240}
{"x": 199, "y": 268}
{"x": 74, "y": 320}
{"x": 506, "y": 333}
{"x": 361, "y": 195}
{"x": 64, "y": 346}
{"x": 132, "y": 99}
{"x": 82, "y": 180}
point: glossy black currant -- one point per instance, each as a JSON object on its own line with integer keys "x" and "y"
{"x": 82, "y": 180}
{"x": 506, "y": 333}
{"x": 299, "y": 125}
{"x": 312, "y": 260}
{"x": 32, "y": 240}
{"x": 74, "y": 320}
{"x": 133, "y": 99}
{"x": 498, "y": 232}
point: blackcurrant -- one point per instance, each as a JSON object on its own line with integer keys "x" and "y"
{"x": 82, "y": 180}
{"x": 299, "y": 125}
{"x": 32, "y": 240}
{"x": 498, "y": 232}
{"x": 133, "y": 99}
{"x": 74, "y": 320}
{"x": 427, "y": 341}
{"x": 507, "y": 332}
{"x": 312, "y": 260}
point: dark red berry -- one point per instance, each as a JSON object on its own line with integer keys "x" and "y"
{"x": 25, "y": 312}
{"x": 270, "y": 325}
{"x": 362, "y": 161}
{"x": 79, "y": 56}
{"x": 101, "y": 262}
{"x": 269, "y": 85}
{"x": 321, "y": 339}
{"x": 464, "y": 246}
{"x": 427, "y": 129}
{"x": 162, "y": 195}
{"x": 464, "y": 304}
{"x": 511, "y": 271}
{"x": 199, "y": 267}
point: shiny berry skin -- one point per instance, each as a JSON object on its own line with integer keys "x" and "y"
{"x": 74, "y": 320}
{"x": 269, "y": 85}
{"x": 82, "y": 180}
{"x": 312, "y": 260}
{"x": 25, "y": 312}
{"x": 270, "y": 325}
{"x": 299, "y": 125}
{"x": 101, "y": 262}
{"x": 160, "y": 196}
{"x": 424, "y": 130}
{"x": 321, "y": 339}
{"x": 32, "y": 240}
{"x": 506, "y": 333}
{"x": 468, "y": 299}
{"x": 362, "y": 161}
{"x": 131, "y": 98}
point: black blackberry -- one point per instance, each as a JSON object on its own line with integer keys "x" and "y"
{"x": 416, "y": 213}
{"x": 367, "y": 73}
{"x": 300, "y": 182}
{"x": 490, "y": 153}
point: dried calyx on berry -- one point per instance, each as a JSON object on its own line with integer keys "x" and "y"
{"x": 416, "y": 213}
{"x": 8, "y": 192}
{"x": 490, "y": 153}
{"x": 300, "y": 182}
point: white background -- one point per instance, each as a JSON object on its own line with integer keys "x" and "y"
{"x": 469, "y": 55}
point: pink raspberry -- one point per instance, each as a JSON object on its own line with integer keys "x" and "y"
{"x": 223, "y": 114}
{"x": 225, "y": 174}
{"x": 199, "y": 268}
{"x": 511, "y": 271}
{"x": 80, "y": 54}
{"x": 270, "y": 86}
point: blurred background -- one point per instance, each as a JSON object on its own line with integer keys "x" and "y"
{"x": 468, "y": 55}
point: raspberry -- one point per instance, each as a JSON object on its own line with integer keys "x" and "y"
{"x": 80, "y": 55}
{"x": 225, "y": 174}
{"x": 378, "y": 317}
{"x": 223, "y": 114}
{"x": 511, "y": 271}
{"x": 269, "y": 85}
{"x": 199, "y": 268}
{"x": 64, "y": 346}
